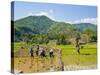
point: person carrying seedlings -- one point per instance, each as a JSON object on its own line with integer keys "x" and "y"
{"x": 31, "y": 52}
{"x": 51, "y": 54}
{"x": 78, "y": 45}
{"x": 37, "y": 50}
{"x": 43, "y": 54}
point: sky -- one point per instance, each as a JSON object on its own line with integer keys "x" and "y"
{"x": 59, "y": 12}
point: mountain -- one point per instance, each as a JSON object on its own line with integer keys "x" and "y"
{"x": 82, "y": 26}
{"x": 60, "y": 27}
{"x": 34, "y": 24}
{"x": 44, "y": 25}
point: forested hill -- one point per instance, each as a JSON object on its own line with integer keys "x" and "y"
{"x": 82, "y": 26}
{"x": 44, "y": 25}
{"x": 34, "y": 24}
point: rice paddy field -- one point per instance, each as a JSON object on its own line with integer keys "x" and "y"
{"x": 87, "y": 59}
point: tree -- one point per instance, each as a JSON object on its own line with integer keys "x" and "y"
{"x": 92, "y": 35}
{"x": 61, "y": 39}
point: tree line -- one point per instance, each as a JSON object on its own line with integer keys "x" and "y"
{"x": 62, "y": 37}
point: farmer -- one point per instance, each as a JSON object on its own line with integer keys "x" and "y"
{"x": 31, "y": 52}
{"x": 42, "y": 54}
{"x": 37, "y": 50}
{"x": 78, "y": 45}
{"x": 51, "y": 53}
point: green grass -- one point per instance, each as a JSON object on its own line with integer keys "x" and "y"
{"x": 18, "y": 45}
{"x": 70, "y": 49}
{"x": 70, "y": 56}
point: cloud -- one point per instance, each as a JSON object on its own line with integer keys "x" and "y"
{"x": 41, "y": 13}
{"x": 69, "y": 21}
{"x": 38, "y": 14}
{"x": 85, "y": 20}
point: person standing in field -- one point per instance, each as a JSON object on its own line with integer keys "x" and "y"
{"x": 43, "y": 54}
{"x": 51, "y": 54}
{"x": 78, "y": 45}
{"x": 37, "y": 50}
{"x": 32, "y": 52}
{"x": 31, "y": 56}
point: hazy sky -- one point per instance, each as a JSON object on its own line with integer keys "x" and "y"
{"x": 58, "y": 12}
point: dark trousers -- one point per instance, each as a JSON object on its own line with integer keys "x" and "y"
{"x": 37, "y": 53}
{"x": 32, "y": 55}
{"x": 51, "y": 54}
